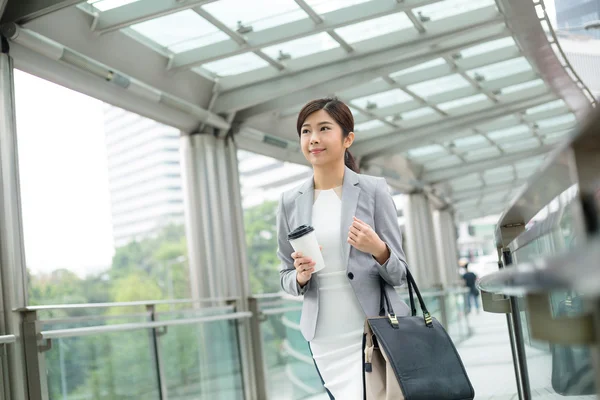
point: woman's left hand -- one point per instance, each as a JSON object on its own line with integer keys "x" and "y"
{"x": 365, "y": 239}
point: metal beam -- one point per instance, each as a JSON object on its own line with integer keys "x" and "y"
{"x": 292, "y": 30}
{"x": 445, "y": 174}
{"x": 417, "y": 136}
{"x": 445, "y": 32}
{"x": 393, "y": 52}
{"x": 365, "y": 78}
{"x": 479, "y": 213}
{"x": 20, "y": 11}
{"x": 465, "y": 195}
{"x": 140, "y": 11}
{"x": 147, "y": 65}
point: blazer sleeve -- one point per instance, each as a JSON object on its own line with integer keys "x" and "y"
{"x": 393, "y": 271}
{"x": 287, "y": 272}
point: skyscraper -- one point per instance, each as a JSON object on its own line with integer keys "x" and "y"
{"x": 571, "y": 14}
{"x": 144, "y": 174}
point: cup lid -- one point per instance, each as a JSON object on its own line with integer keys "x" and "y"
{"x": 300, "y": 231}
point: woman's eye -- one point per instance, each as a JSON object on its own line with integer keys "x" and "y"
{"x": 305, "y": 131}
{"x": 324, "y": 127}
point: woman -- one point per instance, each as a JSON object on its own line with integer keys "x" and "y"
{"x": 355, "y": 221}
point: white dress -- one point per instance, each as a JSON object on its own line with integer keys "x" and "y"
{"x": 337, "y": 345}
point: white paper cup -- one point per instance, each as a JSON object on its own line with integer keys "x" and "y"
{"x": 304, "y": 240}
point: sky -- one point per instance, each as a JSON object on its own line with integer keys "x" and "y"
{"x": 64, "y": 178}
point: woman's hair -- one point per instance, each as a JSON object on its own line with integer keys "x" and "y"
{"x": 340, "y": 113}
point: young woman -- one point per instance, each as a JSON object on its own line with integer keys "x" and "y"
{"x": 355, "y": 222}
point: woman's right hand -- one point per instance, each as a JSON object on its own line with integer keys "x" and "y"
{"x": 304, "y": 267}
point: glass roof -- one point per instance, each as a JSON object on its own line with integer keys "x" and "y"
{"x": 465, "y": 95}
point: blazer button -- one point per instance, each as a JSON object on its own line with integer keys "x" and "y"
{"x": 350, "y": 275}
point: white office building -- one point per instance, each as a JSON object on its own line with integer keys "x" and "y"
{"x": 144, "y": 174}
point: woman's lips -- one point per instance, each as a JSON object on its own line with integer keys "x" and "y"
{"x": 317, "y": 151}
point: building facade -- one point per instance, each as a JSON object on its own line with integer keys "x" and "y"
{"x": 144, "y": 174}
{"x": 571, "y": 14}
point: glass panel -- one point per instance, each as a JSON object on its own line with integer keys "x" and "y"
{"x": 520, "y": 145}
{"x": 563, "y": 119}
{"x": 112, "y": 228}
{"x": 290, "y": 371}
{"x": 443, "y": 162}
{"x": 481, "y": 154}
{"x": 501, "y": 69}
{"x": 522, "y": 86}
{"x": 248, "y": 13}
{"x": 374, "y": 27}
{"x": 110, "y": 366}
{"x": 448, "y": 8}
{"x": 202, "y": 362}
{"x": 365, "y": 126}
{"x": 513, "y": 131}
{"x": 470, "y": 141}
{"x": 439, "y": 85}
{"x": 433, "y": 63}
{"x": 421, "y": 112}
{"x": 325, "y": 6}
{"x": 180, "y": 31}
{"x": 383, "y": 99}
{"x": 545, "y": 107}
{"x": 462, "y": 102}
{"x": 488, "y": 47}
{"x": 303, "y": 46}
{"x": 427, "y": 150}
{"x": 236, "y": 64}
{"x": 555, "y": 137}
{"x": 104, "y": 5}
{"x": 557, "y": 369}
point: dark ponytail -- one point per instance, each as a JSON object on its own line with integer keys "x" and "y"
{"x": 340, "y": 112}
{"x": 350, "y": 161}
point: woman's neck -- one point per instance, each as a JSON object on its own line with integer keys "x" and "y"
{"x": 328, "y": 177}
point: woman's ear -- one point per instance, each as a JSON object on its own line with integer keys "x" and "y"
{"x": 348, "y": 140}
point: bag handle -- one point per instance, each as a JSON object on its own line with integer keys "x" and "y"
{"x": 384, "y": 302}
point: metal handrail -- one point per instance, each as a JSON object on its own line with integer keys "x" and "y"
{"x": 95, "y": 330}
{"x": 125, "y": 304}
{"x": 281, "y": 310}
{"x": 8, "y": 339}
{"x": 577, "y": 270}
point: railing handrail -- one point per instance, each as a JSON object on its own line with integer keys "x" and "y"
{"x": 95, "y": 330}
{"x": 124, "y": 304}
{"x": 576, "y": 270}
{"x": 7, "y": 339}
{"x": 553, "y": 178}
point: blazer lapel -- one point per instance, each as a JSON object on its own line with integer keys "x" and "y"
{"x": 304, "y": 204}
{"x": 350, "y": 193}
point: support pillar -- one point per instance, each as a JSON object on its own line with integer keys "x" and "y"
{"x": 420, "y": 241}
{"x": 13, "y": 285}
{"x": 216, "y": 237}
{"x": 447, "y": 252}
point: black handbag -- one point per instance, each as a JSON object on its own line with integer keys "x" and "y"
{"x": 411, "y": 357}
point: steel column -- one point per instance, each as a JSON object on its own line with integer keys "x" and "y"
{"x": 420, "y": 241}
{"x": 13, "y": 288}
{"x": 445, "y": 240}
{"x": 216, "y": 238}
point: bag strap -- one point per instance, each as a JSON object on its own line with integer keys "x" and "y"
{"x": 384, "y": 301}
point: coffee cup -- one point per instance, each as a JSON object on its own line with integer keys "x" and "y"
{"x": 304, "y": 240}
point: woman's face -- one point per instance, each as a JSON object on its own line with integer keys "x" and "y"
{"x": 322, "y": 139}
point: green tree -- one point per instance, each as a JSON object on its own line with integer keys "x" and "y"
{"x": 261, "y": 241}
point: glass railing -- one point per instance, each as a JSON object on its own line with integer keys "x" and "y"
{"x": 549, "y": 244}
{"x": 143, "y": 350}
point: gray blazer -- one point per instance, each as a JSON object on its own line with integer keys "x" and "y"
{"x": 368, "y": 199}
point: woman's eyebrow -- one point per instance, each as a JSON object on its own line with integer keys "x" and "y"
{"x": 320, "y": 123}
